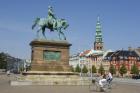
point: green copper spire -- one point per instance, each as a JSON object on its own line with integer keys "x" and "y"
{"x": 98, "y": 36}
{"x": 98, "y": 44}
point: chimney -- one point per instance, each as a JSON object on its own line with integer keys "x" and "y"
{"x": 130, "y": 48}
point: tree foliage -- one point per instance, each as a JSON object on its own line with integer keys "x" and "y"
{"x": 94, "y": 70}
{"x": 123, "y": 70}
{"x": 77, "y": 69}
{"x": 72, "y": 69}
{"x": 134, "y": 69}
{"x": 101, "y": 70}
{"x": 112, "y": 69}
{"x": 84, "y": 70}
{"x": 3, "y": 61}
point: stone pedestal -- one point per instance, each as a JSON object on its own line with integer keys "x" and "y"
{"x": 50, "y": 55}
{"x": 50, "y": 65}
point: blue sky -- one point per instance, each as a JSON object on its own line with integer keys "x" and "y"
{"x": 120, "y": 21}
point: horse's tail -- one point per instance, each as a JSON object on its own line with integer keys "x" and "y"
{"x": 35, "y": 22}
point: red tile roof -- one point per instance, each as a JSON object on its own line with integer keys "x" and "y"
{"x": 84, "y": 53}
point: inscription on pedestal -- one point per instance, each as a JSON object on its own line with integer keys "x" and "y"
{"x": 51, "y": 55}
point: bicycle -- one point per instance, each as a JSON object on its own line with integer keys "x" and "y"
{"x": 95, "y": 86}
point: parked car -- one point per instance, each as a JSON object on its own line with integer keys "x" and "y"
{"x": 135, "y": 76}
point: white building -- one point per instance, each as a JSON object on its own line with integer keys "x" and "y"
{"x": 74, "y": 60}
{"x": 89, "y": 58}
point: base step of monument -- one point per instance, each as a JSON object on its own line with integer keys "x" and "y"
{"x": 71, "y": 82}
{"x": 50, "y": 78}
{"x": 36, "y": 73}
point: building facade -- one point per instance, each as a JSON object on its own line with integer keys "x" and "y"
{"x": 91, "y": 57}
{"x": 74, "y": 60}
{"x": 126, "y": 57}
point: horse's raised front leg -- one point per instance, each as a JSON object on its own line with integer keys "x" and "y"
{"x": 37, "y": 34}
{"x": 63, "y": 35}
{"x": 43, "y": 32}
{"x": 59, "y": 35}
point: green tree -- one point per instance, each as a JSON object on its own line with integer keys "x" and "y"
{"x": 94, "y": 69}
{"x": 134, "y": 69}
{"x": 84, "y": 70}
{"x": 101, "y": 70}
{"x": 78, "y": 69}
{"x": 123, "y": 70}
{"x": 72, "y": 69}
{"x": 21, "y": 69}
{"x": 112, "y": 69}
{"x": 3, "y": 61}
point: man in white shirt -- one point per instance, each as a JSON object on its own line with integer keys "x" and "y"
{"x": 109, "y": 78}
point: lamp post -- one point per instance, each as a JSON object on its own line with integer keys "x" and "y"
{"x": 80, "y": 62}
{"x": 81, "y": 69}
{"x": 91, "y": 66}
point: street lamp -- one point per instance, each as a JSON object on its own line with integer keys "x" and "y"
{"x": 81, "y": 66}
{"x": 90, "y": 66}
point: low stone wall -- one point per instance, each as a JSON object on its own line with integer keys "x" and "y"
{"x": 51, "y": 80}
{"x": 70, "y": 82}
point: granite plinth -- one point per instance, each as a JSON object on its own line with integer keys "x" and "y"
{"x": 49, "y": 73}
{"x": 38, "y": 47}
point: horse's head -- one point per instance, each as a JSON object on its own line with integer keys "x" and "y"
{"x": 64, "y": 23}
{"x": 35, "y": 22}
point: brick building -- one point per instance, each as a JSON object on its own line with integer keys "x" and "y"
{"x": 126, "y": 57}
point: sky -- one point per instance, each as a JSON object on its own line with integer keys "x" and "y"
{"x": 120, "y": 20}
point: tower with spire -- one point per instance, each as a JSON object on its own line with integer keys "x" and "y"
{"x": 98, "y": 44}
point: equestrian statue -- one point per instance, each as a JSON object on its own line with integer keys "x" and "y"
{"x": 52, "y": 23}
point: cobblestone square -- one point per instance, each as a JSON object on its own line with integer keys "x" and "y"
{"x": 120, "y": 87}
